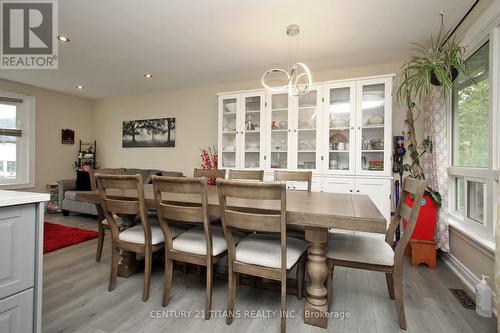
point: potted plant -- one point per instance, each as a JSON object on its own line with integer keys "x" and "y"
{"x": 209, "y": 161}
{"x": 436, "y": 66}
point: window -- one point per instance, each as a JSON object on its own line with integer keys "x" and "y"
{"x": 472, "y": 153}
{"x": 16, "y": 141}
{"x": 471, "y": 108}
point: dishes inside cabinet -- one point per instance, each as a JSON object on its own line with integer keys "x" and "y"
{"x": 230, "y": 107}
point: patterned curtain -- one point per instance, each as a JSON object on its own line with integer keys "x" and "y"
{"x": 435, "y": 164}
{"x": 497, "y": 258}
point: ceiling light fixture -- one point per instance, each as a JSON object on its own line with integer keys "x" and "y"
{"x": 63, "y": 38}
{"x": 298, "y": 79}
{"x": 80, "y": 87}
{"x": 148, "y": 76}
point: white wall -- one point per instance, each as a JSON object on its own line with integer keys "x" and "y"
{"x": 196, "y": 121}
{"x": 55, "y": 111}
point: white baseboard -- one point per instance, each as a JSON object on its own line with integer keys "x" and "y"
{"x": 466, "y": 276}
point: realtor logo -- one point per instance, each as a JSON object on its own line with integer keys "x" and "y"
{"x": 29, "y": 30}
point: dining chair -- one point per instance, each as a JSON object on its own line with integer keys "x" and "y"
{"x": 375, "y": 254}
{"x": 294, "y": 176}
{"x": 267, "y": 253}
{"x": 246, "y": 174}
{"x": 143, "y": 238}
{"x": 203, "y": 245}
{"x": 102, "y": 223}
{"x": 209, "y": 173}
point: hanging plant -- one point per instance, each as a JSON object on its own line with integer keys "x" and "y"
{"x": 436, "y": 66}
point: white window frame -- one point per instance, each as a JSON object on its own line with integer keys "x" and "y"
{"x": 25, "y": 160}
{"x": 484, "y": 234}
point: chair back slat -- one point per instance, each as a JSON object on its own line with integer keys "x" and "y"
{"x": 128, "y": 182}
{"x": 178, "y": 185}
{"x": 252, "y": 190}
{"x": 411, "y": 185}
{"x": 182, "y": 213}
{"x": 246, "y": 175}
{"x": 122, "y": 207}
{"x": 209, "y": 173}
{"x": 253, "y": 222}
{"x": 405, "y": 211}
{"x": 299, "y": 176}
{"x": 103, "y": 171}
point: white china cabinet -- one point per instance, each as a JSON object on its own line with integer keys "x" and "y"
{"x": 340, "y": 130}
{"x": 241, "y": 124}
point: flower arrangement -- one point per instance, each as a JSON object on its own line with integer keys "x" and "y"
{"x": 210, "y": 160}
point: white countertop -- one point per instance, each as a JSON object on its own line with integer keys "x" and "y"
{"x": 12, "y": 198}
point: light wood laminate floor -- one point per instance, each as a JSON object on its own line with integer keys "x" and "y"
{"x": 76, "y": 299}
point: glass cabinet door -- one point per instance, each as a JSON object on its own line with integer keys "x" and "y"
{"x": 341, "y": 118}
{"x": 279, "y": 106}
{"x": 252, "y": 120}
{"x": 228, "y": 111}
{"x": 307, "y": 115}
{"x": 371, "y": 124}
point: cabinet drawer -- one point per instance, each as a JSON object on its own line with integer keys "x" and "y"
{"x": 16, "y": 313}
{"x": 338, "y": 185}
{"x": 17, "y": 248}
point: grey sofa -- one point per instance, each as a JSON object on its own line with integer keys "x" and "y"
{"x": 67, "y": 191}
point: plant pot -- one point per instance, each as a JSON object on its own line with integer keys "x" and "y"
{"x": 426, "y": 221}
{"x": 453, "y": 76}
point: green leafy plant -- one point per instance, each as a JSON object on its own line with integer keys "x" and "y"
{"x": 437, "y": 65}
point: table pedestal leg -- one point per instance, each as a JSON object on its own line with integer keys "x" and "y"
{"x": 128, "y": 264}
{"x": 316, "y": 306}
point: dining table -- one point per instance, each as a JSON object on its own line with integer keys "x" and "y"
{"x": 317, "y": 212}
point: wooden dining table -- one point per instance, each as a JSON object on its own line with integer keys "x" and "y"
{"x": 317, "y": 212}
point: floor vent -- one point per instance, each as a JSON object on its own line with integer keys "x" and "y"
{"x": 463, "y": 297}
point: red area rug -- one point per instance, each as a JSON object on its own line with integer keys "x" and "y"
{"x": 56, "y": 236}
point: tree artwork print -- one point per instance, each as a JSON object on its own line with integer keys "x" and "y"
{"x": 149, "y": 133}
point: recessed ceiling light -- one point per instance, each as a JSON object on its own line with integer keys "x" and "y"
{"x": 148, "y": 75}
{"x": 80, "y": 87}
{"x": 63, "y": 38}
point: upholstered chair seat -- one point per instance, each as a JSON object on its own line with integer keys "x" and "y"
{"x": 136, "y": 234}
{"x": 193, "y": 241}
{"x": 369, "y": 249}
{"x": 265, "y": 250}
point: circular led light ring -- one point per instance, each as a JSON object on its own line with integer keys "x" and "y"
{"x": 307, "y": 73}
{"x": 288, "y": 78}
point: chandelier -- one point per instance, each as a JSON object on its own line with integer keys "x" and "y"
{"x": 297, "y": 80}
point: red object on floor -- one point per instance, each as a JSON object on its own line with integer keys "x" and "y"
{"x": 56, "y": 236}
{"x": 426, "y": 222}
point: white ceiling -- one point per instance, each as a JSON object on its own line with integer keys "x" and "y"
{"x": 187, "y": 43}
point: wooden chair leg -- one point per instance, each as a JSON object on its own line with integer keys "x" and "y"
{"x": 198, "y": 273}
{"x": 329, "y": 282}
{"x": 283, "y": 305}
{"x": 100, "y": 242}
{"x": 390, "y": 284}
{"x": 208, "y": 300}
{"x": 148, "y": 258}
{"x": 115, "y": 257}
{"x": 167, "y": 280}
{"x": 398, "y": 295}
{"x": 231, "y": 295}
{"x": 300, "y": 277}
